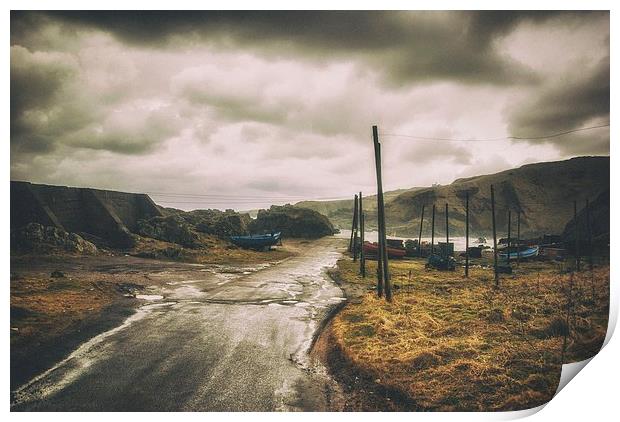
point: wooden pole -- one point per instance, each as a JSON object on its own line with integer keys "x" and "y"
{"x": 589, "y": 230}
{"x": 386, "y": 273}
{"x": 420, "y": 235}
{"x": 352, "y": 228}
{"x": 433, "y": 232}
{"x": 494, "y": 237}
{"x": 361, "y": 224}
{"x": 363, "y": 254}
{"x": 518, "y": 237}
{"x": 447, "y": 232}
{"x": 508, "y": 250}
{"x": 577, "y": 257}
{"x": 355, "y": 224}
{"x": 466, "y": 234}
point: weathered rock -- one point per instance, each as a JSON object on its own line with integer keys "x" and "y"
{"x": 171, "y": 228}
{"x": 292, "y": 222}
{"x": 35, "y": 237}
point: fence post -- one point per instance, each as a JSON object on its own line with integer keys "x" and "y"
{"x": 467, "y": 234}
{"x": 355, "y": 225}
{"x": 589, "y": 230}
{"x": 494, "y": 237}
{"x": 577, "y": 256}
{"x": 420, "y": 235}
{"x": 361, "y": 224}
{"x": 447, "y": 232}
{"x": 518, "y": 237}
{"x": 508, "y": 250}
{"x": 433, "y": 232}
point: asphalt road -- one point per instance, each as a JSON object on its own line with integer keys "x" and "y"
{"x": 219, "y": 342}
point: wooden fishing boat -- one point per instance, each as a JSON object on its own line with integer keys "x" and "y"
{"x": 256, "y": 241}
{"x": 521, "y": 252}
{"x": 372, "y": 248}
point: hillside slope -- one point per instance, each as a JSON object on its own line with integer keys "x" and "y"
{"x": 542, "y": 192}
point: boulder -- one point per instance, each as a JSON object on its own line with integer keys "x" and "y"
{"x": 35, "y": 237}
{"x": 171, "y": 228}
{"x": 292, "y": 222}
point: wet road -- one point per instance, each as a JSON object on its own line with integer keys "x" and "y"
{"x": 219, "y": 342}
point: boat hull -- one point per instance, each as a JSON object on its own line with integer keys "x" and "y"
{"x": 259, "y": 241}
{"x": 372, "y": 248}
{"x": 524, "y": 254}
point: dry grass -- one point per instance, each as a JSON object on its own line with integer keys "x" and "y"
{"x": 451, "y": 343}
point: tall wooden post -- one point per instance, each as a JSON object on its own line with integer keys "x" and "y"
{"x": 508, "y": 250}
{"x": 494, "y": 237}
{"x": 386, "y": 273}
{"x": 355, "y": 224}
{"x": 447, "y": 232}
{"x": 589, "y": 230}
{"x": 361, "y": 221}
{"x": 381, "y": 217}
{"x": 577, "y": 256}
{"x": 518, "y": 237}
{"x": 352, "y": 227}
{"x": 420, "y": 235}
{"x": 466, "y": 234}
{"x": 433, "y": 232}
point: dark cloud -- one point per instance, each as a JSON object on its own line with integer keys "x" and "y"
{"x": 568, "y": 101}
{"x": 407, "y": 46}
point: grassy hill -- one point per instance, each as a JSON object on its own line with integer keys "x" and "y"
{"x": 542, "y": 192}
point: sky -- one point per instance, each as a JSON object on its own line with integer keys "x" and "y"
{"x": 247, "y": 109}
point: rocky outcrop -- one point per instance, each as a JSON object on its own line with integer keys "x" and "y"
{"x": 37, "y": 238}
{"x": 171, "y": 228}
{"x": 292, "y": 221}
{"x": 219, "y": 223}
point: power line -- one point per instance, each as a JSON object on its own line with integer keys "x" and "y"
{"x": 505, "y": 138}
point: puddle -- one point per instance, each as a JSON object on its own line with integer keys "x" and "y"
{"x": 149, "y": 297}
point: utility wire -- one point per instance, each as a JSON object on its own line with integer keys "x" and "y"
{"x": 517, "y": 138}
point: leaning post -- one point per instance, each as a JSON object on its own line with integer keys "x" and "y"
{"x": 589, "y": 230}
{"x": 420, "y": 234}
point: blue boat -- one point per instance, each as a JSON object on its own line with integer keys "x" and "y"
{"x": 256, "y": 241}
{"x": 523, "y": 253}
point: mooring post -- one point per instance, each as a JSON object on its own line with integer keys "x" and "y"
{"x": 589, "y": 230}
{"x": 381, "y": 212}
{"x": 420, "y": 235}
{"x": 447, "y": 233}
{"x": 508, "y": 250}
{"x": 433, "y": 231}
{"x": 352, "y": 227}
{"x": 518, "y": 237}
{"x": 467, "y": 234}
{"x": 577, "y": 256}
{"x": 355, "y": 225}
{"x": 494, "y": 237}
{"x": 361, "y": 224}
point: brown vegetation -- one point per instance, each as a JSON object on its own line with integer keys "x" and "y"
{"x": 450, "y": 343}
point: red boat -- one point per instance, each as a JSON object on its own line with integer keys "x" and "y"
{"x": 371, "y": 249}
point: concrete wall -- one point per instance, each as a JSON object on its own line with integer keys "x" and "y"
{"x": 109, "y": 215}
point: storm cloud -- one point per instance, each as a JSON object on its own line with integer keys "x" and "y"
{"x": 180, "y": 101}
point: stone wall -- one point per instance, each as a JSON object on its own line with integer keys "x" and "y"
{"x": 109, "y": 215}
